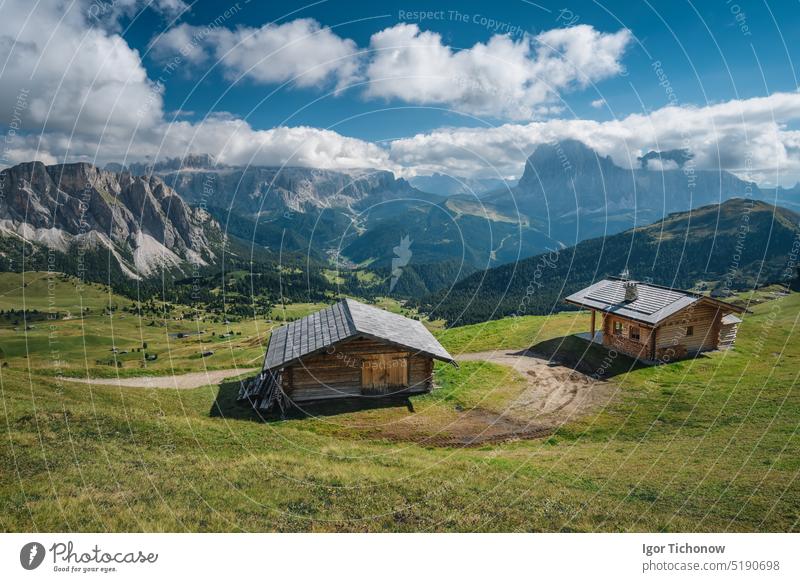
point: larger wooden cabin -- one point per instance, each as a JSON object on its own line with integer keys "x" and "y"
{"x": 656, "y": 323}
{"x": 348, "y": 350}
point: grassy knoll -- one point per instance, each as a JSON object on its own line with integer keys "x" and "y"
{"x": 709, "y": 444}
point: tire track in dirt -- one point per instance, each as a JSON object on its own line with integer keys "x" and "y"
{"x": 554, "y": 395}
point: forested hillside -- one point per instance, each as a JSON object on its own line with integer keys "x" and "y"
{"x": 718, "y": 248}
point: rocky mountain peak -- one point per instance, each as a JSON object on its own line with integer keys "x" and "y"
{"x": 142, "y": 221}
{"x": 564, "y": 159}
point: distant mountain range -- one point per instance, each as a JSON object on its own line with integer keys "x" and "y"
{"x": 447, "y": 185}
{"x": 357, "y": 216}
{"x": 175, "y": 214}
{"x": 567, "y": 193}
{"x": 739, "y": 244}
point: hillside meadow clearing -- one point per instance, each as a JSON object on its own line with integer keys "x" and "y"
{"x": 98, "y": 334}
{"x": 704, "y": 445}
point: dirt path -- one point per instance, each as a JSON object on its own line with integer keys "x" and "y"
{"x": 555, "y": 393}
{"x": 181, "y": 382}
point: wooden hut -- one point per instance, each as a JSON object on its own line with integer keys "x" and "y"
{"x": 348, "y": 350}
{"x": 656, "y": 323}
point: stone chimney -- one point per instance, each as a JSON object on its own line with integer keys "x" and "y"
{"x": 631, "y": 291}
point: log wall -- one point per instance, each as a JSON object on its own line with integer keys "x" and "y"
{"x": 671, "y": 341}
{"x": 705, "y": 321}
{"x": 337, "y": 373}
{"x": 623, "y": 342}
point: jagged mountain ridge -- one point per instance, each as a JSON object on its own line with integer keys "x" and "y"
{"x": 357, "y": 215}
{"x": 571, "y": 192}
{"x": 143, "y": 223}
{"x": 264, "y": 190}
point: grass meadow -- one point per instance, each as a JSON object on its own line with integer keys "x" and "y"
{"x": 709, "y": 444}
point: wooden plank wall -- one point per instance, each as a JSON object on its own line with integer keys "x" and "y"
{"x": 384, "y": 373}
{"x": 337, "y": 373}
{"x": 727, "y": 336}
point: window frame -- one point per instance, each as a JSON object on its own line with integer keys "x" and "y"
{"x": 637, "y": 330}
{"x": 689, "y": 330}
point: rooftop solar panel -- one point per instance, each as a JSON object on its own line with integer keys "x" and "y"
{"x": 649, "y": 300}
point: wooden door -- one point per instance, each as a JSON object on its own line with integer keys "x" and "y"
{"x": 383, "y": 373}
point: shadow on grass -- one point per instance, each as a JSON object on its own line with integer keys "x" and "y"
{"x": 227, "y": 406}
{"x": 590, "y": 359}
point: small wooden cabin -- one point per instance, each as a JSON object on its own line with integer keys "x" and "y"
{"x": 656, "y": 323}
{"x": 348, "y": 350}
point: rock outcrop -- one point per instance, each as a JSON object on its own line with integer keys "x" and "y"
{"x": 144, "y": 224}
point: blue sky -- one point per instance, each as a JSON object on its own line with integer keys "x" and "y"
{"x": 707, "y": 53}
{"x": 470, "y": 89}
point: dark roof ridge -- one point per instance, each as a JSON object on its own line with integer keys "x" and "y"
{"x": 346, "y": 309}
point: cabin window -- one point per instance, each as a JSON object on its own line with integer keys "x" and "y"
{"x": 634, "y": 333}
{"x": 690, "y": 330}
{"x": 617, "y": 328}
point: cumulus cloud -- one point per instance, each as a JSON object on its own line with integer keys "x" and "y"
{"x": 235, "y": 142}
{"x": 749, "y": 137}
{"x": 504, "y": 78}
{"x": 230, "y": 139}
{"x": 87, "y": 96}
{"x": 78, "y": 77}
{"x": 77, "y": 91}
{"x": 184, "y": 41}
{"x": 301, "y": 51}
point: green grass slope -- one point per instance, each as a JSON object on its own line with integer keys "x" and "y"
{"x": 703, "y": 445}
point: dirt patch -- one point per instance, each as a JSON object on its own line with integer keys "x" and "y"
{"x": 181, "y": 382}
{"x": 554, "y": 394}
{"x": 468, "y": 428}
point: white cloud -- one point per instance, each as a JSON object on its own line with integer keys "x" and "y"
{"x": 77, "y": 76}
{"x": 749, "y": 137}
{"x": 598, "y": 103}
{"x": 89, "y": 97}
{"x": 504, "y": 77}
{"x": 184, "y": 41}
{"x": 231, "y": 140}
{"x": 301, "y": 51}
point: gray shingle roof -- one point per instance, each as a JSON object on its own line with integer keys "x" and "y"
{"x": 343, "y": 320}
{"x": 730, "y": 319}
{"x": 653, "y": 304}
